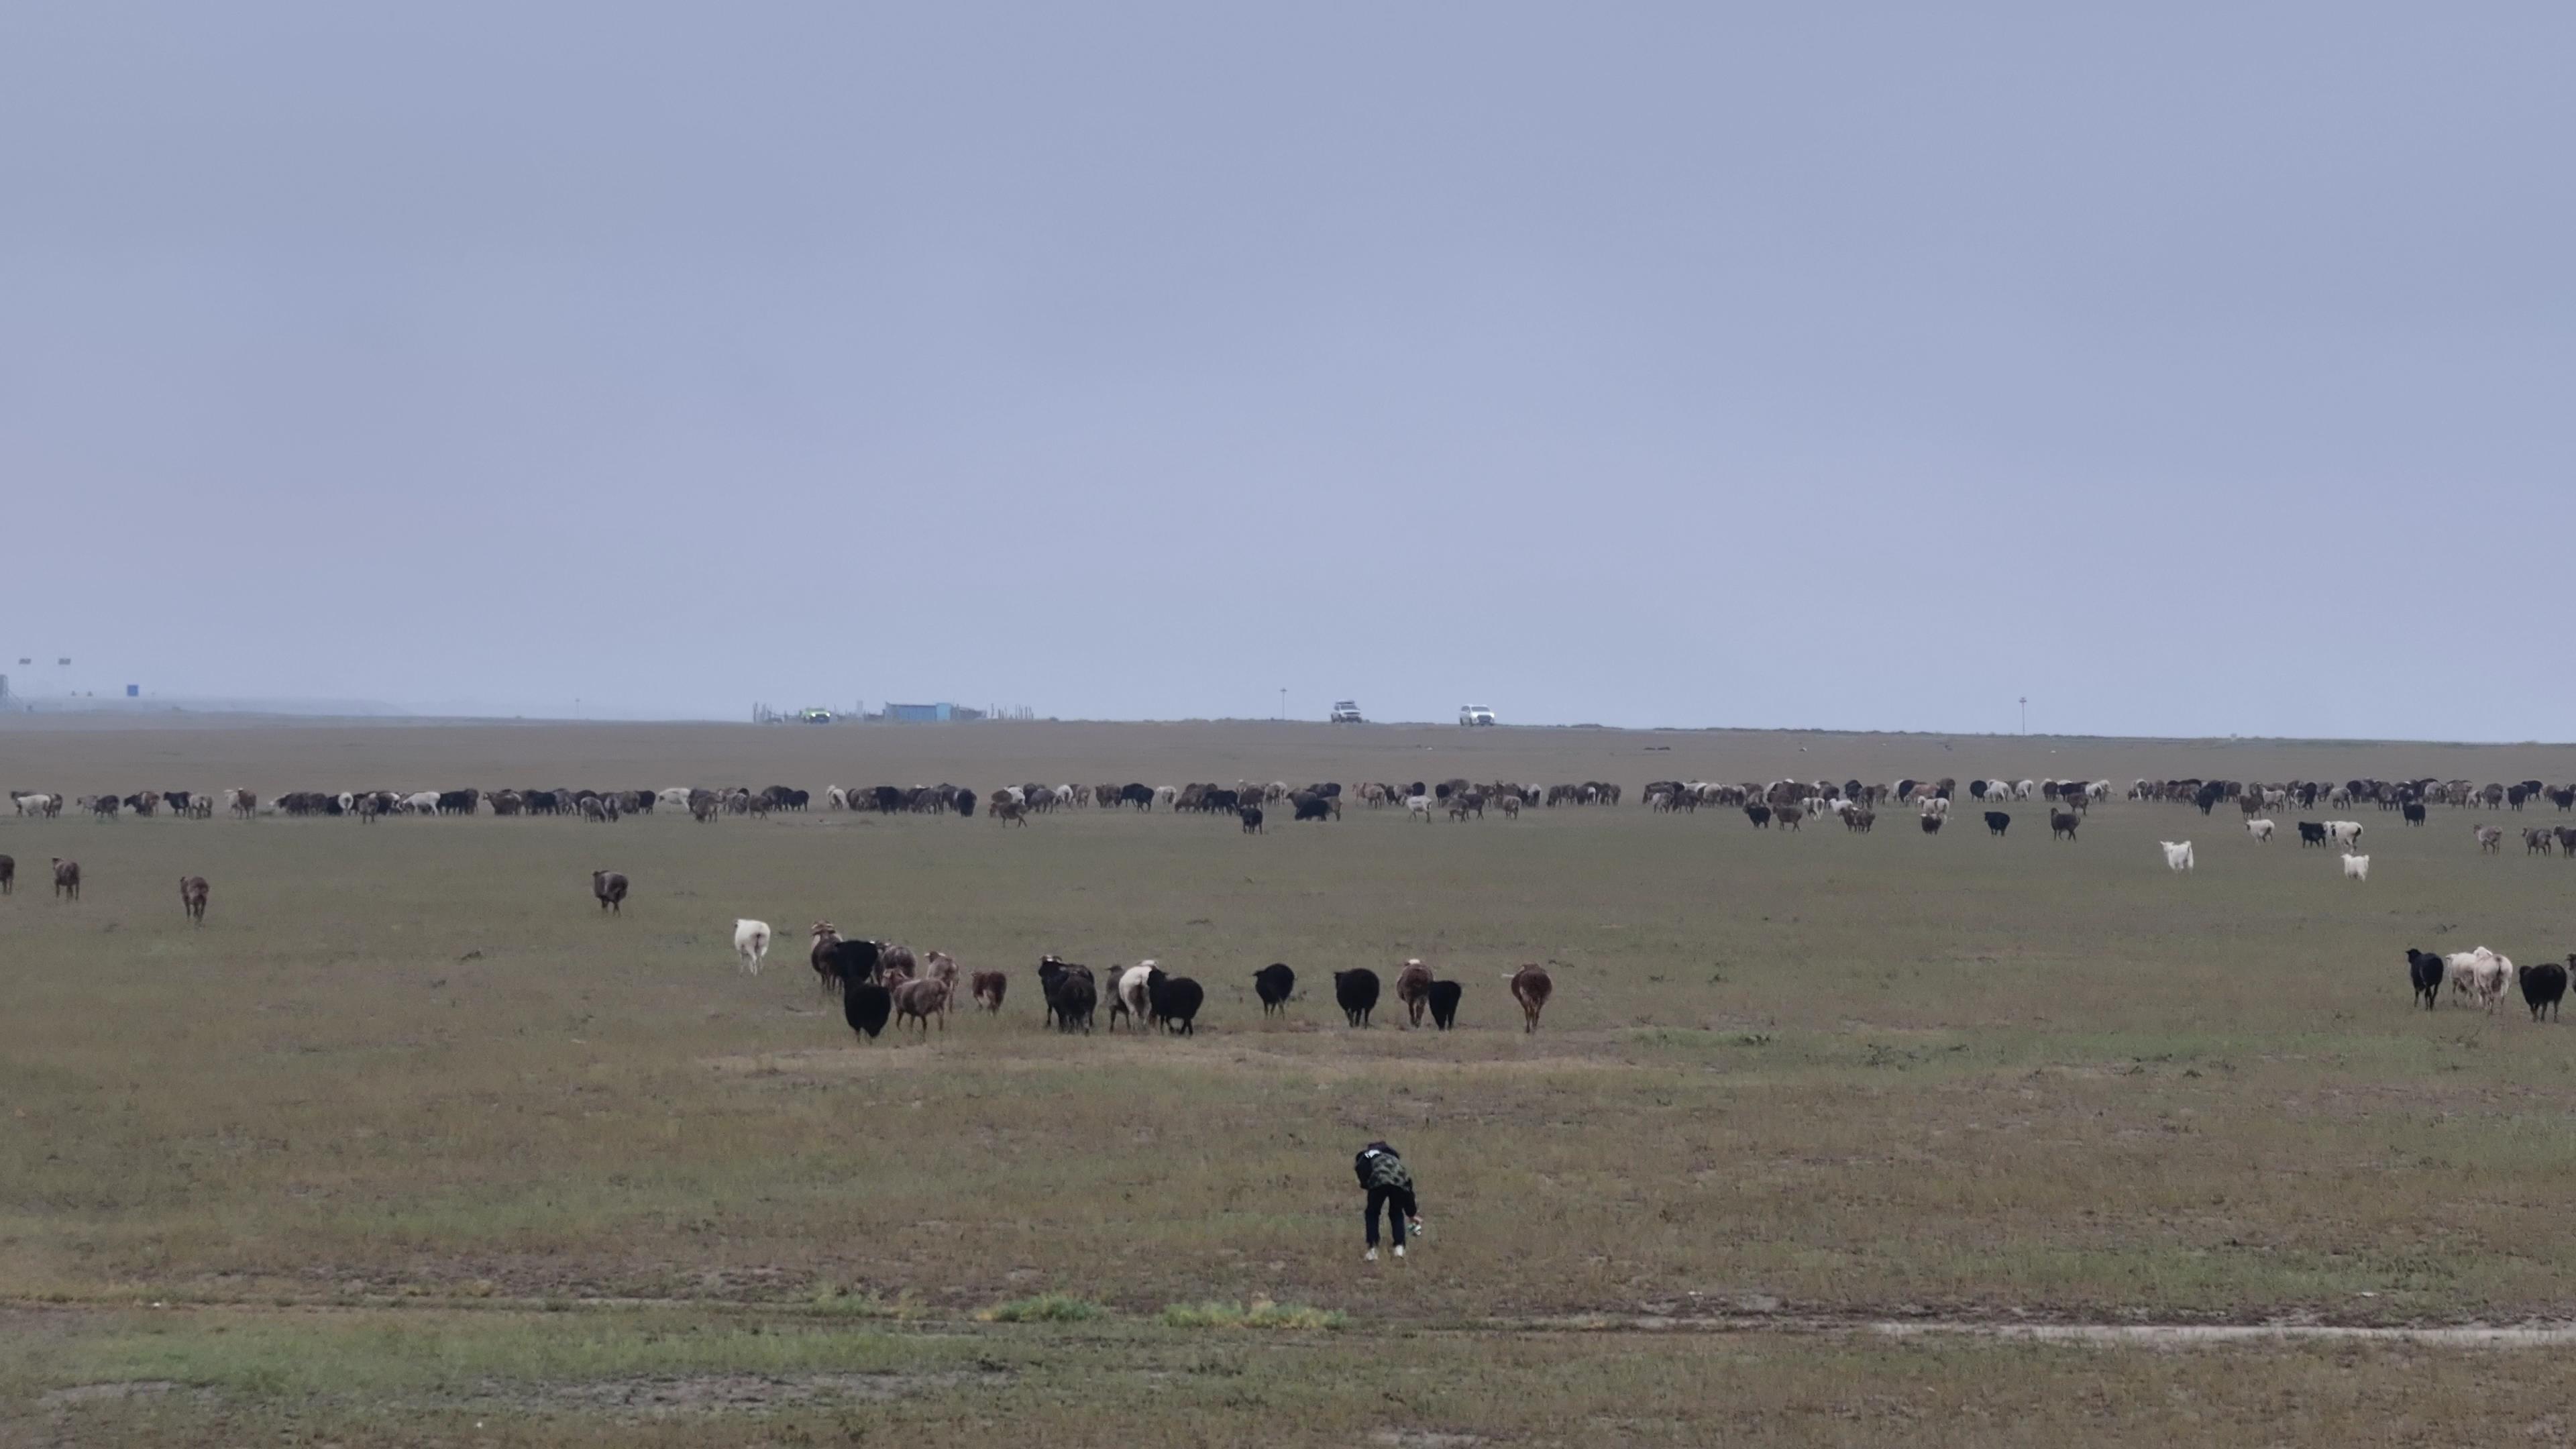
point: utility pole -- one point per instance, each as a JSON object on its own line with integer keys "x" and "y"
{"x": 1283, "y": 704}
{"x": 2025, "y": 714}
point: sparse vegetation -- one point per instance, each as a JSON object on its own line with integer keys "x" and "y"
{"x": 1261, "y": 1313}
{"x": 1044, "y": 1308}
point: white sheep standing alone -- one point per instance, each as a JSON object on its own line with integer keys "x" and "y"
{"x": 2356, "y": 867}
{"x": 2177, "y": 855}
{"x": 751, "y": 943}
{"x": 2260, "y": 829}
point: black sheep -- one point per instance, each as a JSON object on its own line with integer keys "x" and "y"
{"x": 1444, "y": 1004}
{"x": 2425, "y": 970}
{"x": 1272, "y": 983}
{"x": 1070, "y": 995}
{"x": 1997, "y": 822}
{"x": 1315, "y": 807}
{"x": 865, "y": 1006}
{"x": 2542, "y": 985}
{"x": 1356, "y": 990}
{"x": 965, "y": 802}
{"x": 1173, "y": 1001}
{"x": 2413, "y": 810}
{"x": 844, "y": 963}
{"x": 1931, "y": 824}
{"x": 1760, "y": 815}
{"x": 2311, "y": 832}
{"x": 1251, "y": 816}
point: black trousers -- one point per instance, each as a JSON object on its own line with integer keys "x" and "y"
{"x": 1398, "y": 1201}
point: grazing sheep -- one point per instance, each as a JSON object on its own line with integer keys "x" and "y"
{"x": 1174, "y": 1002}
{"x": 1356, "y": 991}
{"x": 1251, "y": 817}
{"x": 865, "y": 1006}
{"x": 66, "y": 878}
{"x": 8, "y": 875}
{"x": 1530, "y": 987}
{"x": 2479, "y": 973}
{"x": 2260, "y": 829}
{"x": 2536, "y": 840}
{"x": 1997, "y": 822}
{"x": 989, "y": 987}
{"x": 751, "y": 943}
{"x": 1272, "y": 983}
{"x": 1412, "y": 984}
{"x": 2542, "y": 986}
{"x": 1932, "y": 824}
{"x": 1444, "y": 1003}
{"x": 920, "y": 1000}
{"x": 192, "y": 897}
{"x": 610, "y": 888}
{"x": 2311, "y": 832}
{"x": 2490, "y": 839}
{"x": 2426, "y": 971}
{"x": 2356, "y": 867}
{"x": 2177, "y": 855}
{"x": 2061, "y": 824}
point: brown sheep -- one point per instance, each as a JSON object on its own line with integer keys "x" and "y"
{"x": 921, "y": 1000}
{"x": 989, "y": 988}
{"x": 610, "y": 888}
{"x": 1530, "y": 987}
{"x": 192, "y": 897}
{"x": 2061, "y": 823}
{"x": 66, "y": 878}
{"x": 1786, "y": 817}
{"x": 1413, "y": 988}
{"x": 941, "y": 967}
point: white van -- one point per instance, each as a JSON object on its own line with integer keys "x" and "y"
{"x": 1475, "y": 714}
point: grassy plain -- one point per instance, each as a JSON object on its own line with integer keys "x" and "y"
{"x": 407, "y": 1089}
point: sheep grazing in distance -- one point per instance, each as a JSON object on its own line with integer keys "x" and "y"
{"x": 2542, "y": 986}
{"x": 1531, "y": 987}
{"x": 989, "y": 988}
{"x": 1444, "y": 1003}
{"x": 66, "y": 878}
{"x": 1272, "y": 983}
{"x": 2356, "y": 867}
{"x": 2426, "y": 971}
{"x": 2177, "y": 855}
{"x": 1412, "y": 985}
{"x": 750, "y": 943}
{"x": 192, "y": 897}
{"x": 610, "y": 888}
{"x": 2260, "y": 829}
{"x": 1356, "y": 991}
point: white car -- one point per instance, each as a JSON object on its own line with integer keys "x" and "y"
{"x": 1475, "y": 714}
{"x": 1346, "y": 711}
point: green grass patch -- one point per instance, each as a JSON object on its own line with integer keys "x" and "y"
{"x": 1260, "y": 1314}
{"x": 1044, "y": 1308}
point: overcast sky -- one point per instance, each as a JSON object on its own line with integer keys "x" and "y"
{"x": 2193, "y": 369}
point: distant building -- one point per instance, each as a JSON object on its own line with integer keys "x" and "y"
{"x": 920, "y": 713}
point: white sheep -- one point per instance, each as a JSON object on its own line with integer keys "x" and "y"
{"x": 751, "y": 943}
{"x": 2260, "y": 829}
{"x": 2177, "y": 855}
{"x": 2356, "y": 867}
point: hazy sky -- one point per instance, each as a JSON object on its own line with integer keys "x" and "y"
{"x": 2187, "y": 368}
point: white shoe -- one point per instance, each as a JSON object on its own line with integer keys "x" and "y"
{"x": 1399, "y": 1250}
{"x": 1370, "y": 1256}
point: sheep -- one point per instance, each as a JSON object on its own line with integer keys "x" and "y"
{"x": 838, "y": 962}
{"x": 8, "y": 875}
{"x": 2345, "y": 833}
{"x": 2177, "y": 855}
{"x": 751, "y": 943}
{"x": 2480, "y": 973}
{"x": 1070, "y": 995}
{"x": 1932, "y": 824}
{"x": 2261, "y": 830}
{"x": 1356, "y": 991}
{"x": 1174, "y": 1000}
{"x": 1129, "y": 995}
{"x": 894, "y": 960}
{"x": 942, "y": 967}
{"x": 2311, "y": 832}
{"x": 865, "y": 1006}
{"x": 1412, "y": 984}
{"x": 1420, "y": 805}
{"x": 1272, "y": 983}
{"x": 2490, "y": 839}
{"x": 1530, "y": 987}
{"x": 610, "y": 888}
{"x": 2426, "y": 971}
{"x": 2061, "y": 824}
{"x": 192, "y": 897}
{"x": 920, "y": 1000}
{"x": 66, "y": 878}
{"x": 2536, "y": 840}
{"x": 2542, "y": 986}
{"x": 989, "y": 988}
{"x": 1760, "y": 815}
{"x": 1250, "y": 815}
{"x": 1444, "y": 1003}
{"x": 2356, "y": 867}
{"x": 1997, "y": 822}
